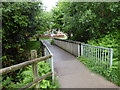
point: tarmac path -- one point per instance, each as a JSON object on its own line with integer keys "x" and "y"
{"x": 71, "y": 73}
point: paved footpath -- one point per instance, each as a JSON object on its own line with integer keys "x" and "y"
{"x": 72, "y": 73}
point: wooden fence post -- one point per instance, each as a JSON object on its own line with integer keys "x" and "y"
{"x": 35, "y": 67}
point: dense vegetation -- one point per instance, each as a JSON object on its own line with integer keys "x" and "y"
{"x": 112, "y": 73}
{"x": 25, "y": 76}
{"x": 110, "y": 41}
{"x": 18, "y": 25}
{"x": 86, "y": 21}
{"x": 21, "y": 21}
{"x": 93, "y": 23}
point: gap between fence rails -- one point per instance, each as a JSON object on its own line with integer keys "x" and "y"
{"x": 21, "y": 65}
{"x": 34, "y": 62}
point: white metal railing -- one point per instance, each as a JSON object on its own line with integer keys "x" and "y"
{"x": 47, "y": 52}
{"x": 101, "y": 55}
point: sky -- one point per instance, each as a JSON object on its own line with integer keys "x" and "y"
{"x": 49, "y": 4}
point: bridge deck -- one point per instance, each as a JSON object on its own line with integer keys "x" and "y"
{"x": 72, "y": 73}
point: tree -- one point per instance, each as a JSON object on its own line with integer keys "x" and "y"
{"x": 20, "y": 22}
{"x": 87, "y": 20}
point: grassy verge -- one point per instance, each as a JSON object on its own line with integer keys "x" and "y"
{"x": 61, "y": 37}
{"x": 54, "y": 37}
{"x": 111, "y": 74}
{"x": 44, "y": 38}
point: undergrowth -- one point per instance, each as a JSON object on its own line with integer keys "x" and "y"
{"x": 111, "y": 74}
{"x": 25, "y": 75}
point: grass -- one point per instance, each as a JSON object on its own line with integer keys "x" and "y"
{"x": 44, "y": 38}
{"x": 54, "y": 37}
{"x": 61, "y": 37}
{"x": 110, "y": 74}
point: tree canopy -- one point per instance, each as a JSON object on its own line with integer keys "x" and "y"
{"x": 86, "y": 20}
{"x": 18, "y": 25}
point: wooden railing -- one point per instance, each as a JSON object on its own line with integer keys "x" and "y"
{"x": 34, "y": 62}
{"x": 101, "y": 55}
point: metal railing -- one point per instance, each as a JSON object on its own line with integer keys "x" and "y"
{"x": 101, "y": 55}
{"x": 47, "y": 52}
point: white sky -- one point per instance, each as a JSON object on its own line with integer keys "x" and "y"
{"x": 49, "y": 4}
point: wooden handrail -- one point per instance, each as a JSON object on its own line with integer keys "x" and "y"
{"x": 18, "y": 66}
{"x": 36, "y": 81}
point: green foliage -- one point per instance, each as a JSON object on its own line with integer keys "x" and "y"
{"x": 109, "y": 41}
{"x": 86, "y": 20}
{"x": 57, "y": 17}
{"x": 18, "y": 25}
{"x": 95, "y": 23}
{"x": 22, "y": 20}
{"x": 33, "y": 45}
{"x": 52, "y": 42}
{"x": 27, "y": 76}
{"x": 45, "y": 19}
{"x": 45, "y": 38}
{"x": 110, "y": 74}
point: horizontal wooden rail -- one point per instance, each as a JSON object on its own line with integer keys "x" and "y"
{"x": 36, "y": 81}
{"x": 18, "y": 66}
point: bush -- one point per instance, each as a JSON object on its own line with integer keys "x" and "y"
{"x": 52, "y": 42}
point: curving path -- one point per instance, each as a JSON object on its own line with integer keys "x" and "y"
{"x": 72, "y": 73}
